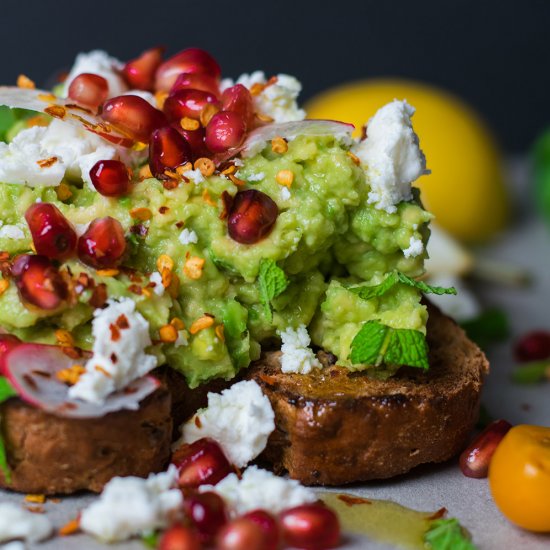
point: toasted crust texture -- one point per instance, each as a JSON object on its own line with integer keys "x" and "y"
{"x": 336, "y": 427}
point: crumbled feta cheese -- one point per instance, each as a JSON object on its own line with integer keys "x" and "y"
{"x": 18, "y": 523}
{"x": 11, "y": 231}
{"x": 131, "y": 506}
{"x": 121, "y": 335}
{"x": 238, "y": 163}
{"x": 156, "y": 279}
{"x": 277, "y": 100}
{"x": 415, "y": 248}
{"x": 194, "y": 175}
{"x": 100, "y": 63}
{"x": 297, "y": 356}
{"x": 240, "y": 419}
{"x": 188, "y": 236}
{"x": 260, "y": 489}
{"x": 182, "y": 339}
{"x": 391, "y": 155}
{"x": 285, "y": 193}
{"x": 81, "y": 228}
{"x": 256, "y": 177}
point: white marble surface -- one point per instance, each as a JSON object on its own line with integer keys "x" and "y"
{"x": 428, "y": 488}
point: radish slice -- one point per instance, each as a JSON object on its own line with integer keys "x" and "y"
{"x": 64, "y": 109}
{"x": 257, "y": 139}
{"x": 32, "y": 370}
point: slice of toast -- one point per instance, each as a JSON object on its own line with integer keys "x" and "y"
{"x": 335, "y": 426}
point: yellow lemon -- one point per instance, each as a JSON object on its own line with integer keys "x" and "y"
{"x": 465, "y": 190}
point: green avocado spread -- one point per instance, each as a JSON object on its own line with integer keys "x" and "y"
{"x": 326, "y": 239}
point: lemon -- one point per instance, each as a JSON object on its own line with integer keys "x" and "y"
{"x": 465, "y": 190}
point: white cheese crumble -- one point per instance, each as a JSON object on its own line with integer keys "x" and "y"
{"x": 156, "y": 279}
{"x": 131, "y": 506}
{"x": 101, "y": 63}
{"x": 391, "y": 155}
{"x": 194, "y": 175}
{"x": 415, "y": 248}
{"x": 256, "y": 177}
{"x": 188, "y": 236}
{"x": 240, "y": 419}
{"x": 285, "y": 193}
{"x": 18, "y": 523}
{"x": 11, "y": 231}
{"x": 260, "y": 489}
{"x": 297, "y": 356}
{"x": 278, "y": 100}
{"x": 121, "y": 335}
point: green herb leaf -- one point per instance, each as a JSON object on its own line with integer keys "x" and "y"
{"x": 489, "y": 327}
{"x": 447, "y": 534}
{"x": 6, "y": 391}
{"x": 151, "y": 540}
{"x": 272, "y": 281}
{"x": 368, "y": 292}
{"x": 376, "y": 343}
{"x": 532, "y": 373}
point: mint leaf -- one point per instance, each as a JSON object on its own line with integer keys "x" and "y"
{"x": 377, "y": 343}
{"x": 368, "y": 292}
{"x": 272, "y": 281}
{"x": 532, "y": 373}
{"x": 447, "y": 534}
{"x": 6, "y": 391}
{"x": 151, "y": 540}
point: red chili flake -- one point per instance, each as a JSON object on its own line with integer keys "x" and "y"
{"x": 79, "y": 108}
{"x": 350, "y": 500}
{"x": 438, "y": 514}
{"x": 99, "y": 296}
{"x": 4, "y": 256}
{"x": 46, "y": 163}
{"x": 115, "y": 333}
{"x": 130, "y": 391}
{"x": 163, "y": 209}
{"x": 135, "y": 289}
{"x": 69, "y": 406}
{"x": 42, "y": 373}
{"x": 56, "y": 111}
{"x": 72, "y": 352}
{"x": 5, "y": 268}
{"x": 122, "y": 322}
{"x": 170, "y": 184}
{"x": 179, "y": 225}
{"x": 139, "y": 229}
{"x": 114, "y": 358}
{"x": 198, "y": 422}
{"x": 227, "y": 201}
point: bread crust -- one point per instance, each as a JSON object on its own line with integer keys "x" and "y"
{"x": 336, "y": 427}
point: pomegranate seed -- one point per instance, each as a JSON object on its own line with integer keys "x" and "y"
{"x": 133, "y": 116}
{"x": 241, "y": 534}
{"x": 310, "y": 526}
{"x": 534, "y": 346}
{"x": 207, "y": 512}
{"x": 192, "y": 60}
{"x": 103, "y": 244}
{"x": 140, "y": 72}
{"x": 39, "y": 281}
{"x": 269, "y": 526}
{"x": 195, "y": 139}
{"x": 475, "y": 459}
{"x": 237, "y": 99}
{"x": 167, "y": 150}
{"x": 188, "y": 103}
{"x": 7, "y": 343}
{"x": 196, "y": 81}
{"x": 89, "y": 89}
{"x": 52, "y": 235}
{"x": 226, "y": 130}
{"x": 202, "y": 462}
{"x": 110, "y": 178}
{"x": 179, "y": 537}
{"x": 251, "y": 217}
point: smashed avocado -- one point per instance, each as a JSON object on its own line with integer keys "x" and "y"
{"x": 326, "y": 237}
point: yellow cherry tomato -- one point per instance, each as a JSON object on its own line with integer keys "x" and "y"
{"x": 519, "y": 477}
{"x": 466, "y": 189}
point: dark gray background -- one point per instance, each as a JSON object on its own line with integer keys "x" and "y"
{"x": 493, "y": 53}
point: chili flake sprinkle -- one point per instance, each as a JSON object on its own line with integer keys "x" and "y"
{"x": 193, "y": 267}
{"x": 204, "y": 322}
{"x": 285, "y": 177}
{"x": 24, "y": 81}
{"x": 71, "y": 375}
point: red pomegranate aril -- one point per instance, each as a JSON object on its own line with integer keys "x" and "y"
{"x": 475, "y": 459}
{"x": 39, "y": 281}
{"x": 202, "y": 462}
{"x": 269, "y": 526}
{"x": 7, "y": 343}
{"x": 140, "y": 73}
{"x": 52, "y": 235}
{"x": 310, "y": 526}
{"x": 207, "y": 512}
{"x": 88, "y": 89}
{"x": 251, "y": 217}
{"x": 132, "y": 116}
{"x": 241, "y": 534}
{"x": 238, "y": 99}
{"x": 103, "y": 244}
{"x": 179, "y": 537}
{"x": 191, "y": 60}
{"x": 226, "y": 130}
{"x": 188, "y": 103}
{"x": 110, "y": 178}
{"x": 168, "y": 149}
{"x": 533, "y": 346}
{"x": 196, "y": 81}
{"x": 195, "y": 139}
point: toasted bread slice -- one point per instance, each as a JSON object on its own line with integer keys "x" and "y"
{"x": 336, "y": 427}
